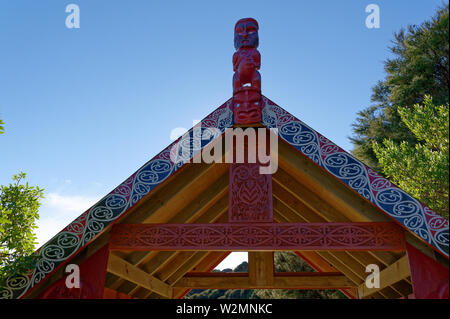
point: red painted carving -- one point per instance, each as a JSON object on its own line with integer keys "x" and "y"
{"x": 429, "y": 278}
{"x": 250, "y": 195}
{"x": 246, "y": 79}
{"x": 92, "y": 279}
{"x": 259, "y": 236}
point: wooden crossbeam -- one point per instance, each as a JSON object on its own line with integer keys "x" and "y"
{"x": 388, "y": 276}
{"x": 125, "y": 270}
{"x": 259, "y": 236}
{"x": 280, "y": 281}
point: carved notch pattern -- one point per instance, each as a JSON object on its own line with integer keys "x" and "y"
{"x": 250, "y": 194}
{"x": 257, "y": 236}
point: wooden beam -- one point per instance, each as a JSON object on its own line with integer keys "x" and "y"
{"x": 214, "y": 204}
{"x": 289, "y": 200}
{"x": 388, "y": 276}
{"x": 330, "y": 190}
{"x": 122, "y": 268}
{"x": 281, "y": 281}
{"x": 207, "y": 264}
{"x": 164, "y": 204}
{"x": 259, "y": 237}
{"x": 184, "y": 264}
{"x": 261, "y": 268}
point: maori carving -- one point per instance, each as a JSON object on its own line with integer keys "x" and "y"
{"x": 98, "y": 218}
{"x": 246, "y": 79}
{"x": 92, "y": 278}
{"x": 250, "y": 194}
{"x": 259, "y": 236}
{"x": 391, "y": 200}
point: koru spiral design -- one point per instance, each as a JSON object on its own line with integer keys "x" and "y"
{"x": 400, "y": 206}
{"x": 403, "y": 208}
{"x": 92, "y": 222}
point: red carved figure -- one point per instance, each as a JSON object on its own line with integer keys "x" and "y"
{"x": 247, "y": 106}
{"x": 246, "y": 79}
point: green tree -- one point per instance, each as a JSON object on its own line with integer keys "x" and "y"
{"x": 2, "y": 129}
{"x": 422, "y": 169}
{"x": 19, "y": 206}
{"x": 419, "y": 66}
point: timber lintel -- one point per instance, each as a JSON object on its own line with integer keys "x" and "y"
{"x": 280, "y": 281}
{"x": 361, "y": 236}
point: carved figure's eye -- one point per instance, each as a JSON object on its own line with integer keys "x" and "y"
{"x": 256, "y": 103}
{"x": 237, "y": 105}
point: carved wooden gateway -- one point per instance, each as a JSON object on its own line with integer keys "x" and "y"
{"x": 163, "y": 230}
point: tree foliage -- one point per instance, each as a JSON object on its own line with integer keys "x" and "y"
{"x": 419, "y": 66}
{"x": 19, "y": 204}
{"x": 422, "y": 169}
{"x": 2, "y": 129}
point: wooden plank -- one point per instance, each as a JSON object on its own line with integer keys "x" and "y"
{"x": 290, "y": 201}
{"x": 328, "y": 188}
{"x": 207, "y": 264}
{"x": 289, "y": 204}
{"x": 186, "y": 266}
{"x": 366, "y": 259}
{"x": 261, "y": 268}
{"x": 216, "y": 203}
{"x": 170, "y": 198}
{"x": 388, "y": 276}
{"x": 287, "y": 281}
{"x": 315, "y": 261}
{"x": 308, "y": 198}
{"x": 335, "y": 192}
{"x": 121, "y": 268}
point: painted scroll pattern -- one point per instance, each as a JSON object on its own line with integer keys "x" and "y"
{"x": 91, "y": 223}
{"x": 403, "y": 208}
{"x": 254, "y": 236}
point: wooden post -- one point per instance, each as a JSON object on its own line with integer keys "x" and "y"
{"x": 261, "y": 268}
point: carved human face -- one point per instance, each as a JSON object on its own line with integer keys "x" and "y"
{"x": 247, "y": 107}
{"x": 246, "y": 34}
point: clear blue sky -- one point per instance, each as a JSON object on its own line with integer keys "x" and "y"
{"x": 85, "y": 108}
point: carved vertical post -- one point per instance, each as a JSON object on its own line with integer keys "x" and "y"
{"x": 250, "y": 193}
